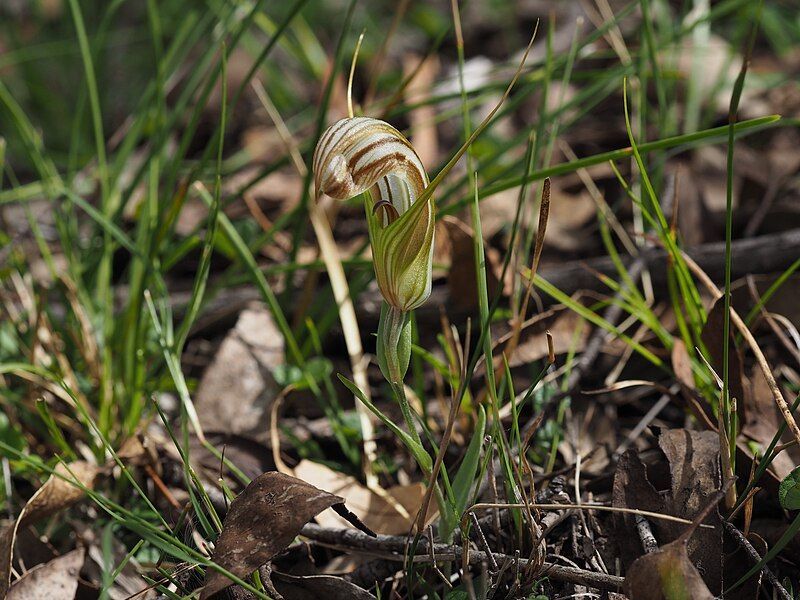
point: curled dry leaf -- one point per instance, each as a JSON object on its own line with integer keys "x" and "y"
{"x": 261, "y": 522}
{"x": 50, "y": 581}
{"x": 694, "y": 481}
{"x": 390, "y": 513}
{"x": 54, "y": 495}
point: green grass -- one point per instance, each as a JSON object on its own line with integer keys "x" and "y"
{"x": 108, "y": 121}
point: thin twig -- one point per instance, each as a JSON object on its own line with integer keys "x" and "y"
{"x": 484, "y": 543}
{"x": 753, "y": 553}
{"x": 390, "y": 547}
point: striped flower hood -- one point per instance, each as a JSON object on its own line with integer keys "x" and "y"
{"x": 362, "y": 154}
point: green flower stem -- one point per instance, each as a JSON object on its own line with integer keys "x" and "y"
{"x": 394, "y": 343}
{"x": 394, "y": 354}
{"x": 405, "y": 408}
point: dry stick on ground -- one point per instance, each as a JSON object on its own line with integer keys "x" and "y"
{"x": 584, "y": 506}
{"x": 649, "y": 543}
{"x": 391, "y": 547}
{"x": 764, "y": 254}
{"x": 373, "y": 571}
{"x": 753, "y": 553}
{"x": 761, "y": 360}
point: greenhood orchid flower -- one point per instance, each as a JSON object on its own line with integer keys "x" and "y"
{"x": 362, "y": 154}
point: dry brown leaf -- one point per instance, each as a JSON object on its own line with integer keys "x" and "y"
{"x": 279, "y": 189}
{"x": 128, "y": 583}
{"x": 762, "y": 420}
{"x": 138, "y": 450}
{"x": 632, "y": 489}
{"x": 694, "y": 480}
{"x": 53, "y": 580}
{"x": 30, "y": 550}
{"x": 236, "y": 391}
{"x": 498, "y": 211}
{"x": 761, "y": 416}
{"x": 410, "y": 498}
{"x": 261, "y": 522}
{"x": 682, "y": 365}
{"x": 666, "y": 574}
{"x": 54, "y": 495}
{"x": 391, "y": 514}
{"x": 569, "y": 215}
{"x": 693, "y": 458}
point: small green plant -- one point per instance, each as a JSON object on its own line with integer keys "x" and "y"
{"x": 101, "y": 336}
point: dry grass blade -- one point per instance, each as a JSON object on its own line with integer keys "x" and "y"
{"x": 352, "y": 335}
{"x": 341, "y": 291}
{"x": 761, "y": 360}
{"x": 541, "y": 230}
{"x": 585, "y": 506}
